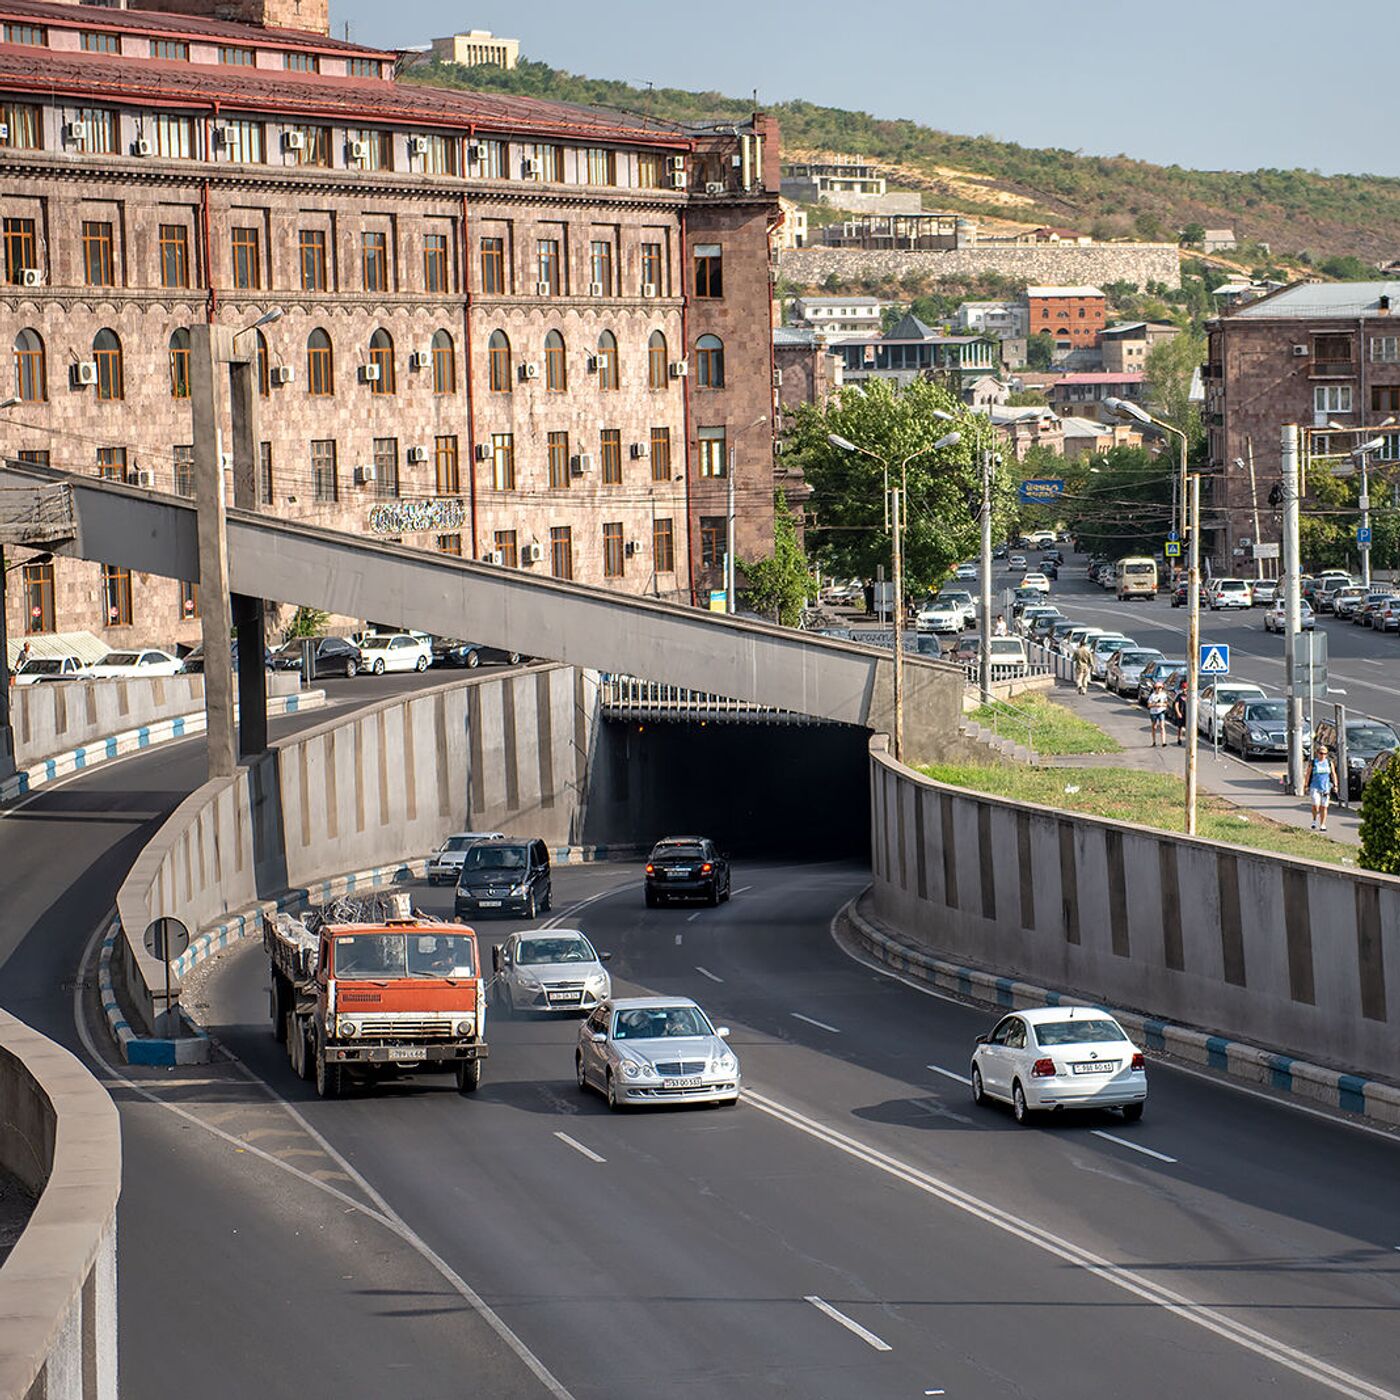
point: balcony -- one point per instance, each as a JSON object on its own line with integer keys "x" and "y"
{"x": 1332, "y": 369}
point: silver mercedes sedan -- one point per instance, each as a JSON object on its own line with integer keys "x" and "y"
{"x": 649, "y": 1050}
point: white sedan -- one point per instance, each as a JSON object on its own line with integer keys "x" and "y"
{"x": 122, "y": 665}
{"x": 395, "y": 651}
{"x": 940, "y": 616}
{"x": 1036, "y": 581}
{"x": 1219, "y": 699}
{"x": 1276, "y": 617}
{"x": 1056, "y": 1057}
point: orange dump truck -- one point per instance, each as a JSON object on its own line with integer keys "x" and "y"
{"x": 365, "y": 988}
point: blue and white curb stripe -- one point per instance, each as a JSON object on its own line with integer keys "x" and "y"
{"x": 132, "y": 740}
{"x": 1349, "y": 1092}
{"x": 192, "y": 1049}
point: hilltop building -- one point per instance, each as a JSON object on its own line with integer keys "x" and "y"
{"x": 1073, "y": 315}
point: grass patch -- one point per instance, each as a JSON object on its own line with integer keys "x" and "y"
{"x": 1056, "y": 730}
{"x": 1147, "y": 799}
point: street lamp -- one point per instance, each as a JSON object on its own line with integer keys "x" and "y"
{"x": 1362, "y": 456}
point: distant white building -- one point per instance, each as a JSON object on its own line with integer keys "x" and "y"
{"x": 477, "y": 47}
{"x": 1219, "y": 240}
{"x": 1007, "y": 319}
{"x": 856, "y": 315}
{"x": 792, "y": 233}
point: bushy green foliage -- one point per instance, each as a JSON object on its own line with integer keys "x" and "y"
{"x": 1380, "y": 821}
{"x": 306, "y": 622}
{"x": 1040, "y": 350}
{"x": 1119, "y": 502}
{"x": 780, "y": 585}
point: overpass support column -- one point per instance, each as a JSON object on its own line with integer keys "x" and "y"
{"x": 252, "y": 679}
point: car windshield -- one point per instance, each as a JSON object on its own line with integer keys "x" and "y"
{"x": 45, "y": 666}
{"x": 119, "y": 658}
{"x": 1374, "y": 738}
{"x": 1226, "y": 695}
{"x": 1136, "y": 658}
{"x": 375, "y": 643}
{"x": 368, "y": 956}
{"x": 1139, "y": 568}
{"x": 1077, "y": 1032}
{"x": 574, "y": 949}
{"x": 954, "y": 597}
{"x": 1005, "y": 646}
{"x": 459, "y": 843}
{"x": 1266, "y": 710}
{"x": 654, "y": 1022}
{"x": 494, "y": 857}
{"x": 678, "y": 853}
{"x": 1111, "y": 644}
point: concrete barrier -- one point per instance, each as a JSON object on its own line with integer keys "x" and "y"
{"x": 498, "y": 752}
{"x": 1289, "y": 955}
{"x": 58, "y": 1287}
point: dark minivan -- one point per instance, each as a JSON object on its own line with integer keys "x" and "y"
{"x": 508, "y": 876}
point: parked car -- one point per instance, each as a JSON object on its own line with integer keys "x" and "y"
{"x": 1346, "y": 600}
{"x": 1029, "y": 616}
{"x": 687, "y": 867}
{"x": 454, "y": 651}
{"x": 1324, "y": 598}
{"x": 1367, "y": 740}
{"x": 1256, "y": 728}
{"x": 967, "y": 649}
{"x": 332, "y": 656}
{"x": 968, "y": 572}
{"x": 50, "y": 668}
{"x": 1063, "y": 627}
{"x": 122, "y": 665}
{"x": 1181, "y": 596}
{"x": 1365, "y": 613}
{"x": 940, "y": 616}
{"x": 1057, "y": 1057}
{"x": 1016, "y": 564}
{"x": 192, "y": 663}
{"x": 1075, "y": 635}
{"x": 1103, "y": 646}
{"x": 1387, "y": 617}
{"x": 1163, "y": 668}
{"x": 649, "y": 1050}
{"x": 445, "y": 864}
{"x": 507, "y": 876}
{"x": 1276, "y": 617}
{"x": 963, "y": 599}
{"x": 1229, "y": 593}
{"x": 1125, "y": 668}
{"x": 1044, "y": 624}
{"x": 1264, "y": 591}
{"x": 395, "y": 651}
{"x": 1216, "y": 701}
{"x": 555, "y": 969}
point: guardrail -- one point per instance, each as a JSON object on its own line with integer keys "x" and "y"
{"x": 629, "y": 697}
{"x": 58, "y": 1287}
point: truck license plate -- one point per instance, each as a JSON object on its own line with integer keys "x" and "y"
{"x": 489, "y": 903}
{"x": 411, "y": 1052}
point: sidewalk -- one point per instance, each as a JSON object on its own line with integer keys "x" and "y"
{"x": 1256, "y": 785}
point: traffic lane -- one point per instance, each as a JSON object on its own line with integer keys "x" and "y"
{"x": 703, "y": 1226}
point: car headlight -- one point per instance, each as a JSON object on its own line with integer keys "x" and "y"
{"x": 639, "y": 1069}
{"x": 726, "y": 1064}
{"x": 465, "y": 1027}
{"x": 528, "y": 979}
{"x": 1258, "y": 736}
{"x": 517, "y": 889}
{"x": 346, "y": 1027}
{"x": 597, "y": 980}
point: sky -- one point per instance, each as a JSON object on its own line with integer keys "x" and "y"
{"x": 1212, "y": 84}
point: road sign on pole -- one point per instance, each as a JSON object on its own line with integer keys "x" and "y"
{"x": 1363, "y": 535}
{"x": 1172, "y": 549}
{"x": 1309, "y": 673}
{"x": 1214, "y": 659}
{"x": 166, "y": 939}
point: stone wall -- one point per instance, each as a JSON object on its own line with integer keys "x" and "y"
{"x": 1049, "y": 264}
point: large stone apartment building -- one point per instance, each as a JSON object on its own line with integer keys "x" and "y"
{"x": 511, "y": 329}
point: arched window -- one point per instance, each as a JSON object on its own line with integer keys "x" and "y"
{"x": 607, "y": 361}
{"x": 320, "y": 365}
{"x": 31, "y": 373}
{"x": 444, "y": 363}
{"x": 498, "y": 348}
{"x": 656, "y": 361}
{"x": 107, "y": 354}
{"x": 263, "y": 366}
{"x": 709, "y": 362}
{"x": 381, "y": 354}
{"x": 180, "y": 364}
{"x": 556, "y": 372}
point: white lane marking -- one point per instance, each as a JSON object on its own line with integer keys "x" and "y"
{"x": 849, "y": 1323}
{"x": 678, "y": 940}
{"x": 705, "y": 972}
{"x": 820, "y": 1025}
{"x": 1372, "y": 662}
{"x": 743, "y": 889}
{"x": 570, "y": 909}
{"x": 691, "y": 918}
{"x": 1133, "y": 1146}
{"x": 383, "y": 1214}
{"x": 579, "y": 1147}
{"x": 949, "y": 1074}
{"x": 1210, "y": 1319}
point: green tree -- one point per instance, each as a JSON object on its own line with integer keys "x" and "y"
{"x": 1171, "y": 364}
{"x": 1040, "y": 350}
{"x": 1193, "y": 235}
{"x": 1119, "y": 502}
{"x": 1380, "y": 821}
{"x": 781, "y": 584}
{"x": 306, "y": 622}
{"x": 1027, "y": 398}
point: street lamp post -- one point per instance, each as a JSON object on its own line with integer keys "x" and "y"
{"x": 7, "y": 747}
{"x": 1362, "y": 456}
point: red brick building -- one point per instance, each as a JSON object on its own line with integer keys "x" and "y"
{"x": 1073, "y": 315}
{"x": 512, "y": 329}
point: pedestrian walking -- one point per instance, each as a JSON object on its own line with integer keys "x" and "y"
{"x": 1157, "y": 712}
{"x": 1083, "y": 660}
{"x": 1322, "y": 778}
{"x": 1178, "y": 712}
{"x": 999, "y": 626}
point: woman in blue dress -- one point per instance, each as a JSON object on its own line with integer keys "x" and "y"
{"x": 1322, "y": 777}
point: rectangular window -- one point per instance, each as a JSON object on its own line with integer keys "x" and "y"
{"x": 712, "y": 537}
{"x": 116, "y": 592}
{"x": 435, "y": 262}
{"x": 363, "y": 68}
{"x": 99, "y": 41}
{"x": 649, "y": 170}
{"x": 598, "y": 166}
{"x": 613, "y": 558}
{"x": 493, "y": 266}
{"x": 265, "y": 473}
{"x": 325, "y": 479}
{"x": 709, "y": 270}
{"x": 174, "y": 255}
{"x": 99, "y": 130}
{"x": 651, "y": 270}
{"x": 450, "y": 544}
{"x": 386, "y": 466}
{"x": 242, "y": 142}
{"x": 559, "y": 478}
{"x": 98, "y": 263}
{"x": 376, "y": 262}
{"x": 663, "y": 546}
{"x": 184, "y": 470}
{"x": 600, "y": 266}
{"x": 237, "y": 56}
{"x": 245, "y": 246}
{"x": 38, "y": 598}
{"x": 449, "y": 479}
{"x": 26, "y": 34}
{"x": 315, "y": 147}
{"x": 21, "y": 249}
{"x": 610, "y": 445}
{"x": 443, "y": 156}
{"x": 176, "y": 49}
{"x": 1385, "y": 349}
{"x": 1385, "y": 398}
{"x": 1332, "y": 349}
{"x": 489, "y": 160}
{"x": 548, "y": 266}
{"x": 713, "y": 460}
{"x": 378, "y": 146}
{"x": 111, "y": 463}
{"x": 503, "y": 461}
{"x": 174, "y": 136}
{"x": 561, "y": 551}
{"x": 507, "y": 548}
{"x": 189, "y": 600}
{"x": 549, "y": 163}
{"x": 24, "y": 126}
{"x": 1332, "y": 398}
{"x": 295, "y": 62}
{"x": 661, "y": 454}
{"x": 312, "y": 243}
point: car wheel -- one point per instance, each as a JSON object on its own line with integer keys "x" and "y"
{"x": 532, "y": 908}
{"x": 473, "y": 660}
{"x": 379, "y": 667}
{"x": 351, "y": 670}
{"x": 652, "y": 899}
{"x": 580, "y": 1074}
{"x": 1019, "y": 1109}
{"x": 422, "y": 664}
{"x": 712, "y": 898}
{"x": 728, "y": 888}
{"x": 514, "y": 658}
{"x": 614, "y": 1102}
{"x": 1132, "y": 1112}
{"x": 979, "y": 1095}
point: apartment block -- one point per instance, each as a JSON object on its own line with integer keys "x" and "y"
{"x": 1073, "y": 315}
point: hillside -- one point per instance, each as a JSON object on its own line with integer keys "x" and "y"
{"x": 1296, "y": 211}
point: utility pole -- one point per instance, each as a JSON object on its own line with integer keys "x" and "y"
{"x": 1365, "y": 522}
{"x": 1254, "y": 501}
{"x": 1291, "y": 604}
{"x": 898, "y": 501}
{"x": 984, "y": 658}
{"x": 1193, "y": 648}
{"x": 729, "y": 540}
{"x": 7, "y": 743}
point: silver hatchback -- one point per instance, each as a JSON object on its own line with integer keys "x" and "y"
{"x": 650, "y": 1050}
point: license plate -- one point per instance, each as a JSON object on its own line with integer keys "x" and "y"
{"x": 411, "y": 1052}
{"x": 677, "y": 874}
{"x": 489, "y": 903}
{"x": 684, "y": 1083}
{"x": 565, "y": 996}
{"x": 1097, "y": 1067}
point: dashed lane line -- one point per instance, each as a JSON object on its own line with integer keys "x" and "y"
{"x": 580, "y": 1148}
{"x": 1134, "y": 1146}
{"x": 705, "y": 972}
{"x": 820, "y": 1025}
{"x": 849, "y": 1323}
{"x": 950, "y": 1074}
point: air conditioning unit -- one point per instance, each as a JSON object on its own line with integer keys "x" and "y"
{"x": 639, "y": 449}
{"x": 419, "y": 359}
{"x": 675, "y": 162}
{"x": 493, "y": 556}
{"x": 220, "y": 135}
{"x": 1300, "y": 351}
{"x": 543, "y": 289}
{"x": 737, "y": 161}
{"x": 591, "y": 364}
{"x": 31, "y": 277}
{"x": 679, "y": 369}
{"x": 144, "y": 147}
{"x": 85, "y": 372}
{"x": 4, "y": 131}
{"x": 364, "y": 476}
{"x": 714, "y": 187}
{"x": 632, "y": 547}
{"x": 357, "y": 150}
{"x": 418, "y": 145}
{"x": 649, "y": 289}
{"x": 595, "y": 289}
{"x": 417, "y": 454}
{"x": 482, "y": 452}
{"x": 293, "y": 140}
{"x": 529, "y": 370}
{"x": 581, "y": 464}
{"x": 777, "y": 379}
{"x": 480, "y": 152}
{"x": 282, "y": 374}
{"x": 531, "y": 167}
{"x": 74, "y": 132}
{"x": 678, "y": 180}
{"x": 532, "y": 554}
{"x": 143, "y": 476}
{"x": 369, "y": 374}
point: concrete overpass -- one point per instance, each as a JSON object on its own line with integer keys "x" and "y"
{"x": 518, "y": 609}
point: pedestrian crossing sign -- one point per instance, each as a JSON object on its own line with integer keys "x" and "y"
{"x": 1214, "y": 659}
{"x": 1172, "y": 549}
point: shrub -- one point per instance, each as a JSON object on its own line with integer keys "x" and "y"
{"x": 1380, "y": 821}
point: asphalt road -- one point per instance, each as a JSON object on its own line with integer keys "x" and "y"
{"x": 856, "y": 1228}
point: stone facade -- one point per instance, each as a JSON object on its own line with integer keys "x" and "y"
{"x": 1138, "y": 263}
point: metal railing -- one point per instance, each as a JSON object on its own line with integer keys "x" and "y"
{"x": 629, "y": 697}
{"x": 1008, "y": 721}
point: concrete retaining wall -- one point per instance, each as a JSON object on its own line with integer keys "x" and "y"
{"x": 507, "y": 753}
{"x": 57, "y": 716}
{"x": 60, "y": 1136}
{"x": 1289, "y": 955}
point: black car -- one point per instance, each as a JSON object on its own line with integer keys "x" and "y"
{"x": 687, "y": 867}
{"x": 1181, "y": 596}
{"x": 454, "y": 651}
{"x": 509, "y": 876}
{"x": 334, "y": 656}
{"x": 1256, "y": 728}
{"x": 192, "y": 664}
{"x": 1367, "y": 739}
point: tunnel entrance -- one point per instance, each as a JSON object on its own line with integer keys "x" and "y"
{"x": 784, "y": 791}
